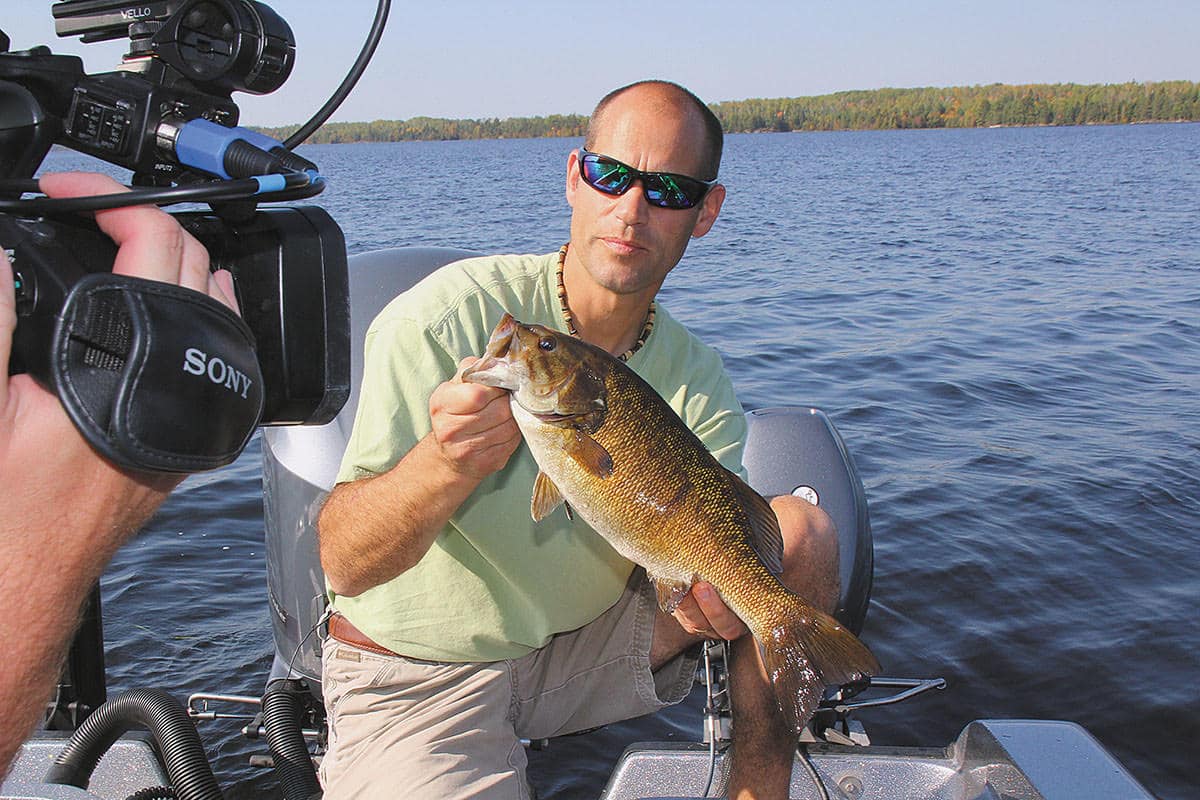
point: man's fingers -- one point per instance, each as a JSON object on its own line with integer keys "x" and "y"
{"x": 703, "y": 613}
{"x": 462, "y": 366}
{"x": 220, "y": 288}
{"x": 490, "y": 424}
{"x": 8, "y": 324}
{"x": 689, "y": 617}
{"x": 471, "y": 399}
{"x": 720, "y": 617}
{"x": 155, "y": 251}
{"x": 78, "y": 184}
{"x": 122, "y": 225}
{"x": 193, "y": 265}
{"x": 150, "y": 242}
{"x": 473, "y": 425}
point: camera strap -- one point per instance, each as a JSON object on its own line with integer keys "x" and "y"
{"x": 156, "y": 377}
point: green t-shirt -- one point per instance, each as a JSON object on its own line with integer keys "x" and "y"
{"x": 495, "y": 585}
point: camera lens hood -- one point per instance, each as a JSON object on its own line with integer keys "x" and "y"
{"x": 156, "y": 377}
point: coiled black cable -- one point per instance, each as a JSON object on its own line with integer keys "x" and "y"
{"x": 356, "y": 71}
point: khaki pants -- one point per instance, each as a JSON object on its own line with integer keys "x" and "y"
{"x": 401, "y": 727}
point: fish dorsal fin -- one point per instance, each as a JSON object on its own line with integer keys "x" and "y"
{"x": 590, "y": 455}
{"x": 546, "y": 497}
{"x": 765, "y": 537}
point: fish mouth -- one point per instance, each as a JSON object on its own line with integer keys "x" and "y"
{"x": 502, "y": 367}
{"x": 495, "y": 367}
{"x": 553, "y": 418}
{"x": 512, "y": 362}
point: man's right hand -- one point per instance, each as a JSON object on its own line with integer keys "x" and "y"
{"x": 376, "y": 528}
{"x": 473, "y": 426}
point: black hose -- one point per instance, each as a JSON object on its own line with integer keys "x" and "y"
{"x": 283, "y": 717}
{"x": 176, "y": 738}
{"x": 154, "y": 793}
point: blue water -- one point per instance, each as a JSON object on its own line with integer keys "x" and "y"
{"x": 1003, "y": 324}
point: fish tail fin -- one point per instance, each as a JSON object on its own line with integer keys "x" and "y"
{"x": 805, "y": 650}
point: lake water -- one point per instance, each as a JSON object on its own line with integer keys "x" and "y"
{"x": 1003, "y": 324}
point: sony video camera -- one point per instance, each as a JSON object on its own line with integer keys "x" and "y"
{"x": 157, "y": 377}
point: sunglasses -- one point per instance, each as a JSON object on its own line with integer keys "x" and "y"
{"x": 662, "y": 189}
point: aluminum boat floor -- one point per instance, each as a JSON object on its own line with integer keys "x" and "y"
{"x": 990, "y": 760}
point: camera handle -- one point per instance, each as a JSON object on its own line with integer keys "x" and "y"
{"x": 26, "y": 131}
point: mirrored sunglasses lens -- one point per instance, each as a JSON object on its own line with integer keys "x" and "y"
{"x": 605, "y": 175}
{"x": 672, "y": 191}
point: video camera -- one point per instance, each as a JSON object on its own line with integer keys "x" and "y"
{"x": 157, "y": 377}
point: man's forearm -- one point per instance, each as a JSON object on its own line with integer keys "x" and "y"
{"x": 373, "y": 529}
{"x": 54, "y": 546}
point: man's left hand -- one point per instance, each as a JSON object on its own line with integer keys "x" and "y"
{"x": 702, "y": 612}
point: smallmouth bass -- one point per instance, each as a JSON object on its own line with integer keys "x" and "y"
{"x": 609, "y": 447}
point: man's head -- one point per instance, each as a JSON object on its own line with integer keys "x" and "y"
{"x": 626, "y": 243}
{"x": 714, "y": 134}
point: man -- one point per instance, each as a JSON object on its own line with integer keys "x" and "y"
{"x": 60, "y": 496}
{"x": 461, "y": 626}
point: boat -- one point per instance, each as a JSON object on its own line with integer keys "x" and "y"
{"x": 790, "y": 449}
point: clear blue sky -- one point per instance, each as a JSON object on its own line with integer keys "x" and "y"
{"x": 467, "y": 58}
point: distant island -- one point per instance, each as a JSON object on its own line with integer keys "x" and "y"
{"x": 877, "y": 109}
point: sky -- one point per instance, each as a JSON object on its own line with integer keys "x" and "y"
{"x": 474, "y": 59}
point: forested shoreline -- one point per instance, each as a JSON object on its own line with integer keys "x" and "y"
{"x": 875, "y": 109}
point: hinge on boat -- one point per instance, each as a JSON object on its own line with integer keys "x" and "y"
{"x": 831, "y": 723}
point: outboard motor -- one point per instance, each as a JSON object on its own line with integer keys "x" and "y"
{"x": 796, "y": 450}
{"x": 300, "y": 466}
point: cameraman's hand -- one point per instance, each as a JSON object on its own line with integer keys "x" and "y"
{"x": 151, "y": 243}
{"x": 33, "y": 424}
{"x": 66, "y": 509}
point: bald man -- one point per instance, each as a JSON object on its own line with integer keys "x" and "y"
{"x": 461, "y": 626}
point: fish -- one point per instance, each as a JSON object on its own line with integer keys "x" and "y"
{"x": 612, "y": 450}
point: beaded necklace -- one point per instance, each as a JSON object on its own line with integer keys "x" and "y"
{"x": 570, "y": 320}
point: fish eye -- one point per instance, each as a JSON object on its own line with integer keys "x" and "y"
{"x": 546, "y": 343}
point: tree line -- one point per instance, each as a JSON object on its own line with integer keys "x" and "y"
{"x": 969, "y": 107}
{"x": 876, "y": 109}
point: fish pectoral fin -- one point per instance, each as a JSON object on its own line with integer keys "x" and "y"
{"x": 546, "y": 498}
{"x": 765, "y": 536}
{"x": 670, "y": 593}
{"x": 590, "y": 455}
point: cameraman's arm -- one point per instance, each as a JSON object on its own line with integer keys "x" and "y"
{"x": 373, "y": 529}
{"x": 66, "y": 510}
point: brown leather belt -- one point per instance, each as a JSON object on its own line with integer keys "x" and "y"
{"x": 341, "y": 629}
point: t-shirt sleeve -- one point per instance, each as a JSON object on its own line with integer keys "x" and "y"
{"x": 402, "y": 364}
{"x": 721, "y": 424}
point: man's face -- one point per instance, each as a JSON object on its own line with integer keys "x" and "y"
{"x": 625, "y": 244}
